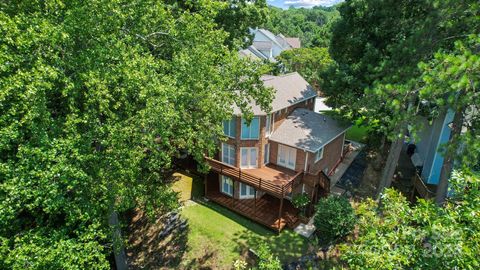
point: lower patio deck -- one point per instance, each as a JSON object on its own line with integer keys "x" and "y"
{"x": 264, "y": 209}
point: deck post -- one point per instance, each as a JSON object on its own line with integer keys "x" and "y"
{"x": 206, "y": 180}
{"x": 255, "y": 207}
{"x": 233, "y": 194}
{"x": 280, "y": 210}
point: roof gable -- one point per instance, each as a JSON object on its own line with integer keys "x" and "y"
{"x": 289, "y": 89}
{"x": 308, "y": 130}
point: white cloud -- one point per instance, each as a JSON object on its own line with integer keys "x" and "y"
{"x": 311, "y": 3}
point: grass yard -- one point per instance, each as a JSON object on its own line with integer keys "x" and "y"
{"x": 215, "y": 237}
{"x": 357, "y": 133}
{"x": 218, "y": 237}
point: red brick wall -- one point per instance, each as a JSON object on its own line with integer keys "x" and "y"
{"x": 260, "y": 143}
{"x": 332, "y": 152}
{"x": 280, "y": 116}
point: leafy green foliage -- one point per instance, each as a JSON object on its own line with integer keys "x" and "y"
{"x": 424, "y": 236}
{"x": 451, "y": 80}
{"x": 96, "y": 98}
{"x": 377, "y": 46}
{"x": 309, "y": 62}
{"x": 334, "y": 218}
{"x": 266, "y": 260}
{"x": 312, "y": 26}
{"x": 300, "y": 201}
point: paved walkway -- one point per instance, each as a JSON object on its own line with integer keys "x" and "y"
{"x": 305, "y": 230}
{"x": 308, "y": 229}
{"x": 345, "y": 164}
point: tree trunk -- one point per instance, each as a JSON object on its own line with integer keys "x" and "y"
{"x": 447, "y": 166}
{"x": 118, "y": 248}
{"x": 391, "y": 164}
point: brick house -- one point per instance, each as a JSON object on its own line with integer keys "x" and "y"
{"x": 291, "y": 150}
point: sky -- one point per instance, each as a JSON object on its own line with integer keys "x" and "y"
{"x": 302, "y": 3}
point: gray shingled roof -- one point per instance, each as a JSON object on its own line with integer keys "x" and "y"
{"x": 289, "y": 89}
{"x": 293, "y": 42}
{"x": 251, "y": 53}
{"x": 308, "y": 130}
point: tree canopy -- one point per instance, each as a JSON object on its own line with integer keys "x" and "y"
{"x": 312, "y": 26}
{"x": 396, "y": 235}
{"x": 309, "y": 62}
{"x": 96, "y": 97}
{"x": 378, "y": 47}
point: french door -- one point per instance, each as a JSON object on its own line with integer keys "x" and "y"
{"x": 246, "y": 191}
{"x": 286, "y": 156}
{"x": 249, "y": 157}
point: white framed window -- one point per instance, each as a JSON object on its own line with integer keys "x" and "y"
{"x": 246, "y": 191}
{"x": 266, "y": 154}
{"x": 250, "y": 132}
{"x": 230, "y": 128}
{"x": 228, "y": 154}
{"x": 268, "y": 125}
{"x": 227, "y": 185}
{"x": 248, "y": 157}
{"x": 319, "y": 154}
{"x": 286, "y": 156}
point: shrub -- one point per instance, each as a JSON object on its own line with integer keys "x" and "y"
{"x": 300, "y": 201}
{"x": 266, "y": 260}
{"x": 334, "y": 219}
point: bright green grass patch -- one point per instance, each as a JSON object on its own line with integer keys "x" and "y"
{"x": 183, "y": 186}
{"x": 357, "y": 133}
{"x": 187, "y": 186}
{"x": 218, "y": 237}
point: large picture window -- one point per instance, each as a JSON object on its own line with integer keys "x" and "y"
{"x": 246, "y": 191}
{"x": 248, "y": 157}
{"x": 228, "y": 154}
{"x": 266, "y": 154}
{"x": 268, "y": 125}
{"x": 230, "y": 128}
{"x": 286, "y": 156}
{"x": 250, "y": 132}
{"x": 319, "y": 154}
{"x": 227, "y": 185}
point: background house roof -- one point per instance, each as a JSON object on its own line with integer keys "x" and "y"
{"x": 294, "y": 42}
{"x": 289, "y": 89}
{"x": 252, "y": 53}
{"x": 308, "y": 130}
{"x": 263, "y": 45}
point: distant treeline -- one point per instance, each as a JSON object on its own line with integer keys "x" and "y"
{"x": 312, "y": 25}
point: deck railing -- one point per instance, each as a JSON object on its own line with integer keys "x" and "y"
{"x": 422, "y": 188}
{"x": 258, "y": 183}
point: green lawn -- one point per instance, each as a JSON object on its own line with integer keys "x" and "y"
{"x": 357, "y": 132}
{"x": 218, "y": 236}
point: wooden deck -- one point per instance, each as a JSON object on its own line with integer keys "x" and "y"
{"x": 274, "y": 180}
{"x": 263, "y": 211}
{"x": 278, "y": 175}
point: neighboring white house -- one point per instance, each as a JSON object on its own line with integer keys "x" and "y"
{"x": 267, "y": 46}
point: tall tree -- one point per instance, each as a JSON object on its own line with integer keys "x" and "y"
{"x": 452, "y": 81}
{"x": 309, "y": 62}
{"x": 96, "y": 97}
{"x": 377, "y": 46}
